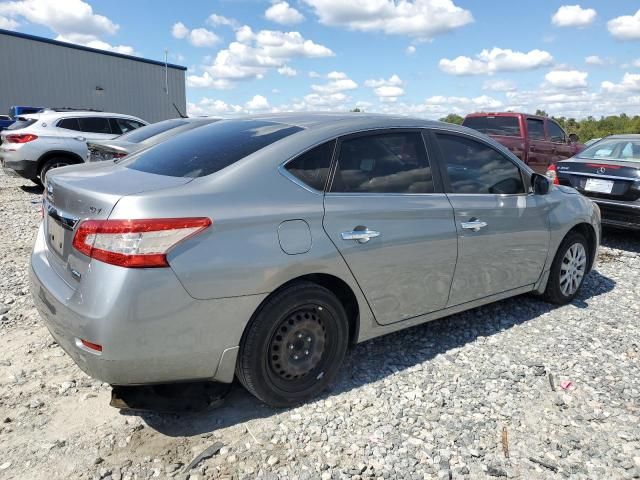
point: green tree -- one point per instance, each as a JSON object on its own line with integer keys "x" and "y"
{"x": 452, "y": 118}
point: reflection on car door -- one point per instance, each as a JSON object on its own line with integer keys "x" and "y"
{"x": 502, "y": 231}
{"x": 385, "y": 213}
{"x": 540, "y": 149}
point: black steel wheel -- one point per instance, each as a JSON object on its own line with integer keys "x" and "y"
{"x": 294, "y": 345}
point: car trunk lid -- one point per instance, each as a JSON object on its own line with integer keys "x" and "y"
{"x": 614, "y": 180}
{"x": 83, "y": 192}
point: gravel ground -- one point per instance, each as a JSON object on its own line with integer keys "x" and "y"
{"x": 517, "y": 389}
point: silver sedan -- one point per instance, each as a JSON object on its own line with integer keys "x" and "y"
{"x": 262, "y": 247}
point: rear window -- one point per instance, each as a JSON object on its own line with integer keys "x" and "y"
{"x": 615, "y": 149}
{"x": 21, "y": 123}
{"x": 206, "y": 150}
{"x": 507, "y": 126}
{"x": 143, "y": 133}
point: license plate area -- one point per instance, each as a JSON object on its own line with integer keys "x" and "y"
{"x": 598, "y": 185}
{"x": 55, "y": 236}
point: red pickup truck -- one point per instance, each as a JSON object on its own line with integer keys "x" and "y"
{"x": 537, "y": 141}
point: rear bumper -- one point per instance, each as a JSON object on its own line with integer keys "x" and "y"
{"x": 619, "y": 214}
{"x": 150, "y": 329}
{"x": 22, "y": 168}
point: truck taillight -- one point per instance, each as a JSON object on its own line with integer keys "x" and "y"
{"x": 552, "y": 174}
{"x": 20, "y": 138}
{"x": 135, "y": 243}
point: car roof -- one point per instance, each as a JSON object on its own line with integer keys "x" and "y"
{"x": 349, "y": 120}
{"x": 623, "y": 136}
{"x": 74, "y": 114}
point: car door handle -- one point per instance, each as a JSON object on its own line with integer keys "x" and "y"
{"x": 361, "y": 236}
{"x": 473, "y": 225}
{"x": 80, "y": 139}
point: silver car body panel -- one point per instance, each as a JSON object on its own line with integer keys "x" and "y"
{"x": 186, "y": 322}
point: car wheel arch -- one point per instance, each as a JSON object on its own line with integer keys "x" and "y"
{"x": 589, "y": 233}
{"x": 72, "y": 157}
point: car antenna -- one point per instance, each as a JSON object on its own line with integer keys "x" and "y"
{"x": 179, "y": 112}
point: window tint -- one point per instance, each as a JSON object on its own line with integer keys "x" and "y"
{"x": 94, "y": 125}
{"x": 385, "y": 163}
{"x": 137, "y": 136}
{"x": 69, "y": 124}
{"x": 556, "y": 134}
{"x": 474, "y": 167}
{"x": 312, "y": 167}
{"x": 614, "y": 149}
{"x": 535, "y": 128}
{"x": 507, "y": 126}
{"x": 205, "y": 150}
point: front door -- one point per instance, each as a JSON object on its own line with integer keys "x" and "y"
{"x": 503, "y": 235}
{"x": 386, "y": 214}
{"x": 559, "y": 141}
{"x": 540, "y": 150}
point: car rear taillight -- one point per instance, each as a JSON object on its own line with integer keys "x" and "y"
{"x": 552, "y": 174}
{"x": 20, "y": 138}
{"x": 135, "y": 243}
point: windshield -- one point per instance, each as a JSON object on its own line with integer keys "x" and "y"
{"x": 206, "y": 150}
{"x": 614, "y": 149}
{"x": 141, "y": 134}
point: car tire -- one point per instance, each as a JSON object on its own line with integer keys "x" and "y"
{"x": 294, "y": 345}
{"x": 50, "y": 164}
{"x": 568, "y": 270}
{"x": 36, "y": 181}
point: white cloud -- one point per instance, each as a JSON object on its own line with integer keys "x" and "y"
{"x": 258, "y": 102}
{"x": 216, "y": 20}
{"x": 630, "y": 83}
{"x": 626, "y": 27}
{"x": 283, "y": 13}
{"x": 338, "y": 82}
{"x": 566, "y": 79}
{"x": 8, "y": 23}
{"x": 73, "y": 21}
{"x": 417, "y": 18}
{"x": 201, "y": 37}
{"x": 254, "y": 54}
{"x": 573, "y": 16}
{"x": 198, "y": 37}
{"x": 179, "y": 30}
{"x": 313, "y": 74}
{"x": 410, "y": 50}
{"x": 496, "y": 60}
{"x": 213, "y": 107}
{"x": 387, "y": 90}
{"x": 287, "y": 71}
{"x": 497, "y": 85}
{"x": 594, "y": 60}
{"x": 636, "y": 63}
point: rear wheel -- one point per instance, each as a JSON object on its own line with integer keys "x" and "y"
{"x": 568, "y": 270}
{"x": 294, "y": 345}
{"x": 51, "y": 164}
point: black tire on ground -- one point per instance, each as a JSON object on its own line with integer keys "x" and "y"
{"x": 52, "y": 163}
{"x": 554, "y": 292}
{"x": 294, "y": 345}
{"x": 36, "y": 181}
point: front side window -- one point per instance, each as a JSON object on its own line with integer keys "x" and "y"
{"x": 556, "y": 134}
{"x": 383, "y": 163}
{"x": 312, "y": 167}
{"x": 535, "y": 128}
{"x": 208, "y": 149}
{"x": 94, "y": 125}
{"x": 474, "y": 167}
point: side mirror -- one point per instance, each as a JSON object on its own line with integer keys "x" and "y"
{"x": 573, "y": 138}
{"x": 540, "y": 184}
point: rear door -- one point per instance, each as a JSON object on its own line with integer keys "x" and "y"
{"x": 540, "y": 149}
{"x": 503, "y": 235}
{"x": 386, "y": 214}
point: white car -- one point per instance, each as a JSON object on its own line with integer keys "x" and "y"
{"x": 38, "y": 142}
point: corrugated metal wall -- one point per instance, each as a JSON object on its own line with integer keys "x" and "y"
{"x": 42, "y": 74}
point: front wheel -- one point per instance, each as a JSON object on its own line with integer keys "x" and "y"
{"x": 568, "y": 270}
{"x": 294, "y": 346}
{"x": 51, "y": 164}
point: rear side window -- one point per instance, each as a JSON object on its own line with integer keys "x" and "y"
{"x": 383, "y": 163}
{"x": 474, "y": 167}
{"x": 94, "y": 125}
{"x": 208, "y": 149}
{"x": 312, "y": 167}
{"x": 556, "y": 134}
{"x": 535, "y": 128}
{"x": 69, "y": 124}
{"x": 506, "y": 126}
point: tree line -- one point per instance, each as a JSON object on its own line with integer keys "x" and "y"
{"x": 587, "y": 128}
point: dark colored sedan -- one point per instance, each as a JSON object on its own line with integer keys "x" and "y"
{"x": 141, "y": 138}
{"x": 608, "y": 172}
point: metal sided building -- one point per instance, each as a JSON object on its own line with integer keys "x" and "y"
{"x": 40, "y": 72}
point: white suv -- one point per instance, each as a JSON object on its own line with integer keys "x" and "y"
{"x": 38, "y": 142}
